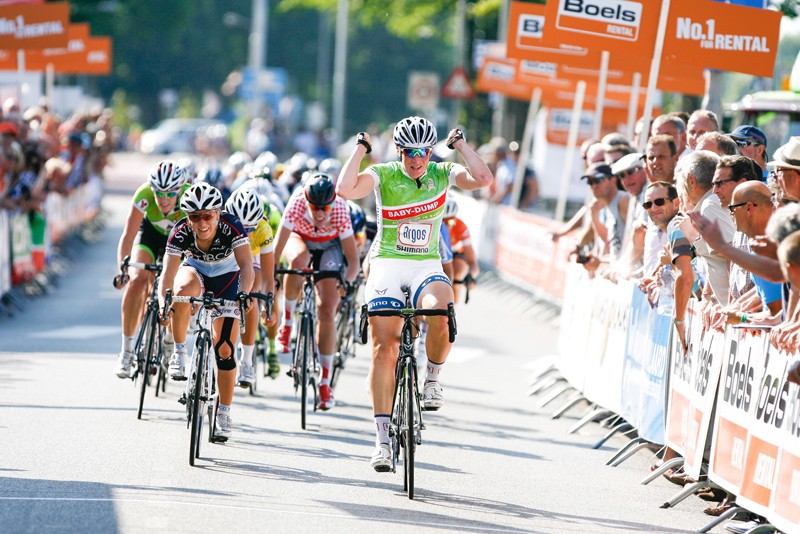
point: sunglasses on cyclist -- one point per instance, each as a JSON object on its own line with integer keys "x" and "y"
{"x": 329, "y": 207}
{"x": 626, "y": 173}
{"x": 201, "y": 216}
{"x": 416, "y": 152}
{"x": 166, "y": 194}
{"x": 657, "y": 201}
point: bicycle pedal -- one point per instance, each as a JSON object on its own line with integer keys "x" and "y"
{"x": 183, "y": 400}
{"x": 219, "y": 439}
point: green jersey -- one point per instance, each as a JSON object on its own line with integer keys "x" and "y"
{"x": 145, "y": 201}
{"x": 410, "y": 211}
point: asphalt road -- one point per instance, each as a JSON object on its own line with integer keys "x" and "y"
{"x": 76, "y": 459}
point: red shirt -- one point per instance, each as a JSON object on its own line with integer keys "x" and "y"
{"x": 297, "y": 219}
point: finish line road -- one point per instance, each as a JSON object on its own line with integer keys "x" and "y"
{"x": 76, "y": 459}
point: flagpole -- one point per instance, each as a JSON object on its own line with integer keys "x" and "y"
{"x": 655, "y": 66}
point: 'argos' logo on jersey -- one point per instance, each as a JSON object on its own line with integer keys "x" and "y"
{"x": 143, "y": 203}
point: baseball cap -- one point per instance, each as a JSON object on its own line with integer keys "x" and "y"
{"x": 749, "y": 132}
{"x": 597, "y": 170}
{"x": 626, "y": 162}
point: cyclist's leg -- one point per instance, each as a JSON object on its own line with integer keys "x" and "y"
{"x": 298, "y": 257}
{"x": 132, "y": 309}
{"x": 188, "y": 282}
{"x": 246, "y": 374}
{"x": 327, "y": 257}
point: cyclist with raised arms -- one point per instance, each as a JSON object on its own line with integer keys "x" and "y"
{"x": 217, "y": 258}
{"x": 316, "y": 229}
{"x": 154, "y": 211}
{"x": 246, "y": 204}
{"x": 410, "y": 199}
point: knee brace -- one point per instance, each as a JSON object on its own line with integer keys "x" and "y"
{"x": 229, "y": 363}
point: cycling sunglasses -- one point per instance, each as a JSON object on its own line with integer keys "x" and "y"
{"x": 329, "y": 207}
{"x": 197, "y": 216}
{"x": 166, "y": 194}
{"x": 657, "y": 201}
{"x": 416, "y": 152}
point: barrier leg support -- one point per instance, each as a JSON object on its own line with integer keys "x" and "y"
{"x": 545, "y": 384}
{"x": 735, "y": 509}
{"x": 539, "y": 373}
{"x": 666, "y": 466}
{"x": 689, "y": 489}
{"x": 574, "y": 400}
{"x": 630, "y": 447}
{"x": 588, "y": 418}
{"x": 762, "y": 528}
{"x": 622, "y": 427}
{"x": 553, "y": 395}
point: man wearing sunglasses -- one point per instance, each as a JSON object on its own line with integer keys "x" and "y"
{"x": 752, "y": 142}
{"x": 316, "y": 230}
{"x": 154, "y": 211}
{"x": 410, "y": 197}
{"x": 208, "y": 251}
{"x": 608, "y": 208}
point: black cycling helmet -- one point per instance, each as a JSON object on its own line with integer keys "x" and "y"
{"x": 319, "y": 189}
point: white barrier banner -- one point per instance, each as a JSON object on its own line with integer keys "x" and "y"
{"x": 693, "y": 386}
{"x": 784, "y": 401}
{"x": 576, "y": 313}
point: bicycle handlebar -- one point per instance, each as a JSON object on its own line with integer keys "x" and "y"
{"x": 269, "y": 300}
{"x": 309, "y": 272}
{"x": 123, "y": 278}
{"x": 466, "y": 281}
{"x": 408, "y": 314}
{"x": 206, "y": 300}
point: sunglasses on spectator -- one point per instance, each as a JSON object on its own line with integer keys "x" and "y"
{"x": 732, "y": 207}
{"x": 166, "y": 194}
{"x": 201, "y": 216}
{"x": 741, "y": 143}
{"x": 416, "y": 152}
{"x": 595, "y": 181}
{"x": 628, "y": 172}
{"x": 329, "y": 207}
{"x": 657, "y": 201}
{"x": 720, "y": 182}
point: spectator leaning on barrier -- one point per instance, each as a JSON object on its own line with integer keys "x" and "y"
{"x": 696, "y": 172}
{"x": 789, "y": 257}
{"x": 718, "y": 143}
{"x": 700, "y": 122}
{"x": 629, "y": 170}
{"x": 661, "y": 158}
{"x": 608, "y": 208}
{"x": 752, "y": 142}
{"x": 661, "y": 204}
{"x": 680, "y": 256}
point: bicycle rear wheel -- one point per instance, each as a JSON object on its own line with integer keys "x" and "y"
{"x": 197, "y": 403}
{"x": 408, "y": 430}
{"x": 150, "y": 341}
{"x": 342, "y": 322}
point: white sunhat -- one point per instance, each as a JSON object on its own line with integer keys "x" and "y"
{"x": 788, "y": 155}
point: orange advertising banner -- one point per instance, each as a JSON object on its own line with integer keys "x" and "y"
{"x": 500, "y": 75}
{"x": 31, "y": 27}
{"x": 722, "y": 36}
{"x": 83, "y": 54}
{"x": 622, "y": 26}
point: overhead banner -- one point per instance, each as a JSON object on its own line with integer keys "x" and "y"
{"x": 723, "y": 36}
{"x": 31, "y": 27}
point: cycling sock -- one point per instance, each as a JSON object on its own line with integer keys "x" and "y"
{"x": 247, "y": 354}
{"x": 288, "y": 312}
{"x": 168, "y": 339}
{"x": 223, "y": 408}
{"x": 434, "y": 369}
{"x": 326, "y": 361}
{"x": 180, "y": 347}
{"x": 382, "y": 429}
{"x": 127, "y": 343}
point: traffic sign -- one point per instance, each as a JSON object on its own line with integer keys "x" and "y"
{"x": 423, "y": 90}
{"x": 457, "y": 86}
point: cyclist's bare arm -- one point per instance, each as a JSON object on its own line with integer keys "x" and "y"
{"x": 267, "y": 274}
{"x": 478, "y": 175}
{"x": 132, "y": 225}
{"x": 168, "y": 272}
{"x": 351, "y": 255}
{"x": 472, "y": 261}
{"x": 244, "y": 258}
{"x": 353, "y": 184}
{"x": 280, "y": 243}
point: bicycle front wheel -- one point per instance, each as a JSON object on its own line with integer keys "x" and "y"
{"x": 149, "y": 351}
{"x": 197, "y": 403}
{"x": 303, "y": 354}
{"x": 409, "y": 438}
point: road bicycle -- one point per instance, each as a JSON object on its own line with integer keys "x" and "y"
{"x": 148, "y": 348}
{"x": 305, "y": 360}
{"x": 467, "y": 282}
{"x": 261, "y": 349}
{"x": 406, "y": 424}
{"x": 346, "y": 329}
{"x": 201, "y": 388}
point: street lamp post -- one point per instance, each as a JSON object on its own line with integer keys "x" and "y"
{"x": 257, "y": 54}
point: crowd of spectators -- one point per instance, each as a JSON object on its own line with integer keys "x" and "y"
{"x": 700, "y": 214}
{"x": 42, "y": 153}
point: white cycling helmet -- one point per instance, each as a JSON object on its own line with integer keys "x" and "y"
{"x": 166, "y": 175}
{"x": 246, "y": 204}
{"x": 414, "y": 132}
{"x": 201, "y": 196}
{"x": 262, "y": 186}
{"x": 450, "y": 208}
